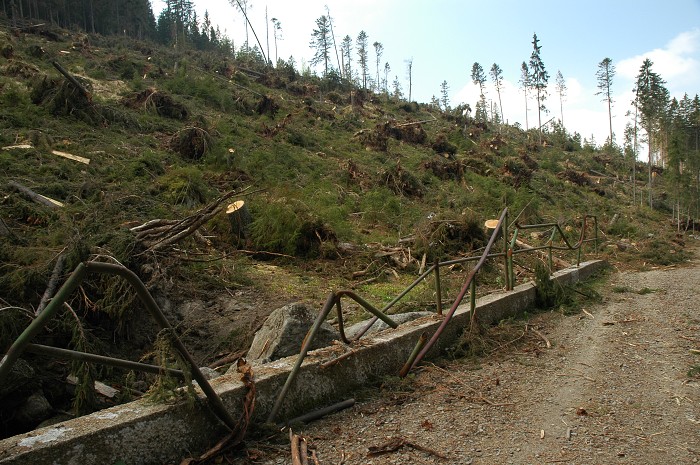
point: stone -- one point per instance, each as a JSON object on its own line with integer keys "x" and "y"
{"x": 209, "y": 373}
{"x": 283, "y": 333}
{"x": 34, "y": 410}
{"x": 399, "y": 318}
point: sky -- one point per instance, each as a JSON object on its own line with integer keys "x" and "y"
{"x": 443, "y": 38}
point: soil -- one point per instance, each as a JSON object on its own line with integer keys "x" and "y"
{"x": 615, "y": 387}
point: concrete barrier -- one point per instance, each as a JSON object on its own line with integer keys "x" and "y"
{"x": 145, "y": 433}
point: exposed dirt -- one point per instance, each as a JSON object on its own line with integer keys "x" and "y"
{"x": 613, "y": 388}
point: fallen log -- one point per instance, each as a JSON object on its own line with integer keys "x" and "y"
{"x": 72, "y": 80}
{"x": 35, "y": 197}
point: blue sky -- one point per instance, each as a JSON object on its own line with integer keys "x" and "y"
{"x": 445, "y": 37}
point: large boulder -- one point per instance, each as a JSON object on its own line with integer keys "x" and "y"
{"x": 284, "y": 331}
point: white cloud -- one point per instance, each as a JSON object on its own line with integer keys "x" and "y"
{"x": 677, "y": 63}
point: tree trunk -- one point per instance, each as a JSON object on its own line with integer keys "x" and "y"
{"x": 240, "y": 219}
{"x": 650, "y": 145}
{"x": 38, "y": 198}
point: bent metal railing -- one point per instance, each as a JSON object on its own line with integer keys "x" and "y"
{"x": 23, "y": 342}
{"x": 424, "y": 344}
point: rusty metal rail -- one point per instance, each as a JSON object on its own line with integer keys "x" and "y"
{"x": 424, "y": 344}
{"x": 23, "y": 342}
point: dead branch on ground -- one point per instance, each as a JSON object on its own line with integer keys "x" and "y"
{"x": 158, "y": 234}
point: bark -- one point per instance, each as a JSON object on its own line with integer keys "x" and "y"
{"x": 38, "y": 198}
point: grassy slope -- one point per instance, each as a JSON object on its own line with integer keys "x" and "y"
{"x": 311, "y": 172}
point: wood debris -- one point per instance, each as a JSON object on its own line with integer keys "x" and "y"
{"x": 36, "y": 197}
{"x": 396, "y": 443}
{"x": 70, "y": 156}
{"x": 100, "y": 387}
{"x": 159, "y": 234}
{"x": 19, "y": 147}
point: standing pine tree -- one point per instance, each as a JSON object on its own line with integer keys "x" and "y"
{"x": 444, "y": 95}
{"x": 479, "y": 78}
{"x": 560, "y": 86}
{"x": 362, "y": 55}
{"x": 346, "y": 56}
{"x": 525, "y": 85}
{"x": 652, "y": 98}
{"x": 321, "y": 42}
{"x": 397, "y": 91}
{"x": 378, "y": 51}
{"x": 497, "y": 76}
{"x": 605, "y": 74}
{"x": 277, "y": 34}
{"x": 538, "y": 80}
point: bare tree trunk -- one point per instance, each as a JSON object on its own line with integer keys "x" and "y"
{"x": 610, "y": 120}
{"x": 337, "y": 58}
{"x": 634, "y": 160}
{"x": 650, "y": 145}
{"x": 267, "y": 34}
{"x": 526, "y": 120}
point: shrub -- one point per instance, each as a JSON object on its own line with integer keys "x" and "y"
{"x": 184, "y": 186}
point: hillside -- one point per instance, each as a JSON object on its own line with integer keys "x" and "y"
{"x": 344, "y": 188}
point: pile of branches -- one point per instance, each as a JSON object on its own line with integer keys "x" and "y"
{"x": 402, "y": 182}
{"x": 449, "y": 236}
{"x": 267, "y": 106}
{"x": 271, "y": 131}
{"x": 444, "y": 147}
{"x": 576, "y": 177}
{"x": 529, "y": 161}
{"x": 446, "y": 170}
{"x": 160, "y": 234}
{"x": 516, "y": 172}
{"x": 191, "y": 142}
{"x": 413, "y": 132}
{"x": 159, "y": 102}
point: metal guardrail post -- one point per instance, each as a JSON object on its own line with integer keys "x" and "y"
{"x": 578, "y": 255}
{"x": 146, "y": 298}
{"x": 511, "y": 271}
{"x": 149, "y": 302}
{"x": 462, "y": 292}
{"x": 438, "y": 287}
{"x": 472, "y": 296}
{"x": 40, "y": 321}
{"x": 595, "y": 230}
{"x": 419, "y": 345}
{"x": 508, "y": 262}
{"x": 330, "y": 303}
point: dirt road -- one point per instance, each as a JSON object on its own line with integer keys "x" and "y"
{"x": 613, "y": 388}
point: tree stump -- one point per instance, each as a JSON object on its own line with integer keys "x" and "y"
{"x": 240, "y": 219}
